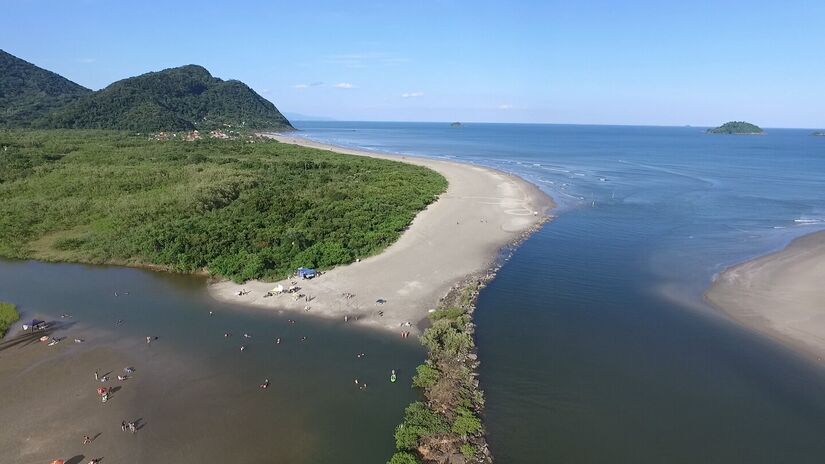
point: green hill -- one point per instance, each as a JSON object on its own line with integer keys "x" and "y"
{"x": 183, "y": 98}
{"x": 736, "y": 127}
{"x": 28, "y": 92}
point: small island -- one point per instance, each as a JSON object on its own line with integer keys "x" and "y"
{"x": 736, "y": 127}
{"x": 455, "y": 124}
{"x": 818, "y": 134}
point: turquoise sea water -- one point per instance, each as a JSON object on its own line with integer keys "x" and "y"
{"x": 596, "y": 345}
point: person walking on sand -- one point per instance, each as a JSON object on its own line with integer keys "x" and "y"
{"x": 123, "y": 425}
{"x": 97, "y": 374}
{"x": 87, "y": 439}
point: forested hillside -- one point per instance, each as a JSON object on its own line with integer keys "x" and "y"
{"x": 28, "y": 92}
{"x": 176, "y": 99}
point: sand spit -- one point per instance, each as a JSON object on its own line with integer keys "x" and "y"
{"x": 781, "y": 294}
{"x": 459, "y": 235}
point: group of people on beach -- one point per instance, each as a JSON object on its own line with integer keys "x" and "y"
{"x": 130, "y": 426}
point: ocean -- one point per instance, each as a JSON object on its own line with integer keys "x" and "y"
{"x": 595, "y": 342}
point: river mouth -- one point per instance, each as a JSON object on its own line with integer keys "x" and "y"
{"x": 197, "y": 393}
{"x": 594, "y": 339}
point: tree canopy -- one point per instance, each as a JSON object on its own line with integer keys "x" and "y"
{"x": 28, "y": 92}
{"x": 736, "y": 127}
{"x": 230, "y": 207}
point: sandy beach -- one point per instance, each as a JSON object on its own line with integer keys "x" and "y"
{"x": 780, "y": 295}
{"x": 460, "y": 234}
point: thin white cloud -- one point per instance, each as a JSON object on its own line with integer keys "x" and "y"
{"x": 344, "y": 85}
{"x": 86, "y": 60}
{"x": 505, "y": 106}
{"x": 306, "y": 86}
{"x": 412, "y": 94}
{"x": 363, "y": 60}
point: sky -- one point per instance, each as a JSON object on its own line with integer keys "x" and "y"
{"x": 569, "y": 62}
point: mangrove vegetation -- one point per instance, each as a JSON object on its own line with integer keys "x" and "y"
{"x": 244, "y": 208}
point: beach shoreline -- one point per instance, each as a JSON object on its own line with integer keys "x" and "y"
{"x": 461, "y": 234}
{"x": 779, "y": 295}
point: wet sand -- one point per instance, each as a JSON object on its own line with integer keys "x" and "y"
{"x": 50, "y": 401}
{"x": 460, "y": 234}
{"x": 781, "y": 295}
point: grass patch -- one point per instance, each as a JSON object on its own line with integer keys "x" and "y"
{"x": 8, "y": 316}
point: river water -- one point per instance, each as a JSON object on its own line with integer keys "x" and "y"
{"x": 200, "y": 395}
{"x": 596, "y": 345}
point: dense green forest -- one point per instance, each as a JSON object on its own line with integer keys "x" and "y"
{"x": 231, "y": 207}
{"x": 27, "y": 93}
{"x": 736, "y": 127}
{"x": 175, "y": 99}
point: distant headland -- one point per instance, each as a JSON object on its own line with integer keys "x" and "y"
{"x": 736, "y": 127}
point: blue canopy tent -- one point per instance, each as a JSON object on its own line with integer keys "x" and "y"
{"x": 306, "y": 273}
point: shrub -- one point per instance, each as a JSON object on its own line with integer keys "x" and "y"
{"x": 419, "y": 421}
{"x": 447, "y": 313}
{"x": 425, "y": 376}
{"x": 466, "y": 423}
{"x": 8, "y": 316}
{"x": 467, "y": 450}
{"x": 403, "y": 457}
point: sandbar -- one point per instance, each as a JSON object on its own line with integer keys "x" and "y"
{"x": 781, "y": 295}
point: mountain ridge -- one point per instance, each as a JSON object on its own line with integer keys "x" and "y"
{"x": 28, "y": 92}
{"x": 174, "y": 99}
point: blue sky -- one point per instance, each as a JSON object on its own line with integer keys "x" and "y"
{"x": 599, "y": 62}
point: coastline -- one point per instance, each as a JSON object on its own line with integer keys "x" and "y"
{"x": 779, "y": 295}
{"x": 461, "y": 234}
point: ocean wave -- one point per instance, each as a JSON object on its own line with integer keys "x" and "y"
{"x": 808, "y": 221}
